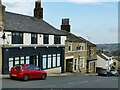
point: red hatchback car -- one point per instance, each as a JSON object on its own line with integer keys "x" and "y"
{"x": 26, "y": 72}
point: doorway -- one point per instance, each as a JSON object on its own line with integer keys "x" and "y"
{"x": 33, "y": 60}
{"x": 69, "y": 65}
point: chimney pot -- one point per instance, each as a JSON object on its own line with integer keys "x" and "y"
{"x": 65, "y": 25}
{"x": 38, "y": 11}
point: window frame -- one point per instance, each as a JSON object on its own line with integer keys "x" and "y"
{"x": 17, "y": 38}
{"x": 33, "y": 38}
{"x": 45, "y": 39}
{"x": 57, "y": 39}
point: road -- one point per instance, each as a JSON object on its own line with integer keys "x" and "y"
{"x": 75, "y": 81}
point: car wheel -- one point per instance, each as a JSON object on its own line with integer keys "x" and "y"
{"x": 26, "y": 77}
{"x": 43, "y": 76}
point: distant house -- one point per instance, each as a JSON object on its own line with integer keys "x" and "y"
{"x": 104, "y": 60}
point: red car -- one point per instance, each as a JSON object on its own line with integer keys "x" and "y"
{"x": 26, "y": 72}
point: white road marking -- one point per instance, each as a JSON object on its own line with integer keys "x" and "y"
{"x": 50, "y": 86}
{"x": 77, "y": 82}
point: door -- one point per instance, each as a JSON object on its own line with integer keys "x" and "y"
{"x": 75, "y": 64}
{"x": 69, "y": 65}
{"x": 33, "y": 60}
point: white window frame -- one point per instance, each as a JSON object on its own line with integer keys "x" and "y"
{"x": 58, "y": 59}
{"x": 44, "y": 58}
{"x": 54, "y": 60}
{"x": 49, "y": 61}
{"x": 81, "y": 60}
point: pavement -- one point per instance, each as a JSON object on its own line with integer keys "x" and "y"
{"x": 60, "y": 74}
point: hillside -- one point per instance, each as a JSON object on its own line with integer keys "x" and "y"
{"x": 108, "y": 47}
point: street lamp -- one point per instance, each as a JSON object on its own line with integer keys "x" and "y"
{"x": 79, "y": 66}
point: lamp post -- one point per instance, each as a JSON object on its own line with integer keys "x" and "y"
{"x": 79, "y": 67}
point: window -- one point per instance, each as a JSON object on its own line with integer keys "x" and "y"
{"x": 57, "y": 39}
{"x": 37, "y": 60}
{"x": 44, "y": 61}
{"x": 70, "y": 47}
{"x": 91, "y": 67}
{"x": 58, "y": 59}
{"x": 80, "y": 47}
{"x": 81, "y": 62}
{"x": 10, "y": 63}
{"x": 49, "y": 61}
{"x": 16, "y": 60}
{"x": 46, "y": 39}
{"x": 27, "y": 59}
{"x": 21, "y": 60}
{"x": 54, "y": 60}
{"x": 33, "y": 38}
{"x": 17, "y": 38}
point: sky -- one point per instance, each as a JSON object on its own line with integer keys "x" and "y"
{"x": 94, "y": 20}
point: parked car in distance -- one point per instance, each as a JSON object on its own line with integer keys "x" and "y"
{"x": 114, "y": 72}
{"x": 118, "y": 71}
{"x": 26, "y": 72}
{"x": 103, "y": 72}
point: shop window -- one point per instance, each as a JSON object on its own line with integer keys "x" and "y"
{"x": 54, "y": 60}
{"x": 10, "y": 63}
{"x": 44, "y": 61}
{"x": 17, "y": 38}
{"x": 27, "y": 60}
{"x": 58, "y": 59}
{"x": 22, "y": 60}
{"x": 37, "y": 60}
{"x": 49, "y": 61}
{"x": 16, "y": 60}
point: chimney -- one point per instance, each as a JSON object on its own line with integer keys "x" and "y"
{"x": 65, "y": 25}
{"x": 2, "y": 12}
{"x": 38, "y": 10}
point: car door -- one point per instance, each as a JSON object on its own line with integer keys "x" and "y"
{"x": 38, "y": 72}
{"x": 31, "y": 71}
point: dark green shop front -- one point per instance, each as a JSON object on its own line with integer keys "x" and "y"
{"x": 44, "y": 57}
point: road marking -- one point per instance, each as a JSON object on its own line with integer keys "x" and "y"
{"x": 77, "y": 82}
{"x": 50, "y": 86}
{"x": 114, "y": 79}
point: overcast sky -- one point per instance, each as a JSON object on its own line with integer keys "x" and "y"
{"x": 96, "y": 20}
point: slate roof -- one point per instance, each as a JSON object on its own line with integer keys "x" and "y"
{"x": 71, "y": 37}
{"x": 89, "y": 43}
{"x": 99, "y": 54}
{"x": 23, "y": 23}
{"x": 107, "y": 54}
